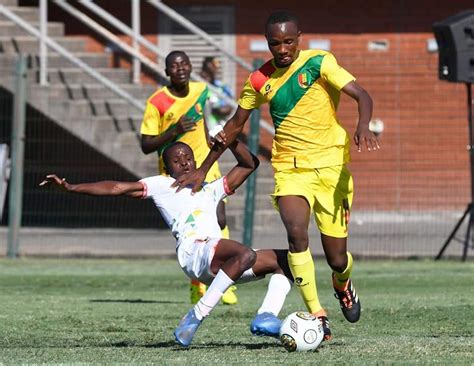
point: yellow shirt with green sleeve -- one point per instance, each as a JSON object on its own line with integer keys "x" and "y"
{"x": 303, "y": 100}
{"x": 163, "y": 110}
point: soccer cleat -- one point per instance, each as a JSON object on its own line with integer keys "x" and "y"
{"x": 229, "y": 297}
{"x": 186, "y": 328}
{"x": 349, "y": 302}
{"x": 326, "y": 329}
{"x": 265, "y": 324}
{"x": 196, "y": 291}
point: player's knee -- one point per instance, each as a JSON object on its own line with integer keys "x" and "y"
{"x": 248, "y": 258}
{"x": 337, "y": 263}
{"x": 297, "y": 238}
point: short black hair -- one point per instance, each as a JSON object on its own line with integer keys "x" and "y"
{"x": 281, "y": 16}
{"x": 173, "y": 54}
{"x": 167, "y": 150}
{"x": 206, "y": 62}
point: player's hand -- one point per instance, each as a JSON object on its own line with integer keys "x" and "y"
{"x": 185, "y": 124}
{"x": 363, "y": 136}
{"x": 191, "y": 180}
{"x": 55, "y": 181}
{"x": 217, "y": 134}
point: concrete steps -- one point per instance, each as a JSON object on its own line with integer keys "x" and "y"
{"x": 30, "y": 45}
{"x": 95, "y": 60}
{"x": 29, "y": 14}
{"x": 98, "y": 92}
{"x": 9, "y": 2}
{"x": 70, "y": 75}
{"x": 96, "y": 115}
{"x": 55, "y": 29}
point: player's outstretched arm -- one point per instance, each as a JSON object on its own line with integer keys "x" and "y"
{"x": 103, "y": 188}
{"x": 362, "y": 136}
{"x": 231, "y": 130}
{"x": 246, "y": 165}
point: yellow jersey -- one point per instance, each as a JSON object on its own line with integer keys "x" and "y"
{"x": 303, "y": 100}
{"x": 163, "y": 110}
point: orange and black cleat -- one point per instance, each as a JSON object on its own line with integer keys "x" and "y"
{"x": 349, "y": 301}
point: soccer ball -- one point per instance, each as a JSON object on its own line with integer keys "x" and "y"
{"x": 301, "y": 331}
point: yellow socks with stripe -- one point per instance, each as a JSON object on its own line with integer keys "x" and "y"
{"x": 302, "y": 269}
{"x": 339, "y": 280}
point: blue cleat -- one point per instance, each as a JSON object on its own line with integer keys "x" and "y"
{"x": 266, "y": 324}
{"x": 186, "y": 328}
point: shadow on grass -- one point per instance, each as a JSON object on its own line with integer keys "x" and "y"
{"x": 212, "y": 345}
{"x": 136, "y": 301}
{"x": 175, "y": 347}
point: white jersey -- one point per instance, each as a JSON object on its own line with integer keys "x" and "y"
{"x": 188, "y": 216}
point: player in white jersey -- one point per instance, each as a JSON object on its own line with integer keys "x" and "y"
{"x": 202, "y": 252}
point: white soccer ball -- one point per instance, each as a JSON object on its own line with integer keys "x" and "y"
{"x": 301, "y": 331}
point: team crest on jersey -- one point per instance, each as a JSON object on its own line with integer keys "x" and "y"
{"x": 198, "y": 108}
{"x": 169, "y": 116}
{"x": 303, "y": 80}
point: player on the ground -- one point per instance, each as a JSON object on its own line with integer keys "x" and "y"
{"x": 202, "y": 252}
{"x": 176, "y": 113}
{"x": 309, "y": 154}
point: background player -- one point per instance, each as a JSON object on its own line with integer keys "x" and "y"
{"x": 175, "y": 113}
{"x": 218, "y": 110}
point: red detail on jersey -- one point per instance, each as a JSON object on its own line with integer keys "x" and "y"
{"x": 259, "y": 77}
{"x": 227, "y": 189}
{"x": 162, "y": 102}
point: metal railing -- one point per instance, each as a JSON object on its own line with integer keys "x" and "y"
{"x": 198, "y": 31}
{"x": 139, "y": 39}
{"x": 131, "y": 50}
{"x": 109, "y": 36}
{"x": 115, "y": 88}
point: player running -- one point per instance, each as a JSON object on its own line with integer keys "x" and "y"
{"x": 309, "y": 155}
{"x": 201, "y": 251}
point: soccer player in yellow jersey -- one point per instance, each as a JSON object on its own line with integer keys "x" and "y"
{"x": 175, "y": 113}
{"x": 309, "y": 154}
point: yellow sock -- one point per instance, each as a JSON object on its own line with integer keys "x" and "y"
{"x": 225, "y": 232}
{"x": 302, "y": 269}
{"x": 340, "y": 279}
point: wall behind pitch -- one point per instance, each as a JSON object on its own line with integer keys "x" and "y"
{"x": 423, "y": 163}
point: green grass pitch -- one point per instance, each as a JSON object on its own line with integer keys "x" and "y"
{"x": 125, "y": 311}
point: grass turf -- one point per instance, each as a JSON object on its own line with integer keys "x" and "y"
{"x": 121, "y": 311}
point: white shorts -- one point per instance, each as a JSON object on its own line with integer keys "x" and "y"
{"x": 195, "y": 258}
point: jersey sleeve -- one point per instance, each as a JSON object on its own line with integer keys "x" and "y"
{"x": 152, "y": 186}
{"x": 249, "y": 97}
{"x": 335, "y": 74}
{"x": 151, "y": 121}
{"x": 219, "y": 189}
